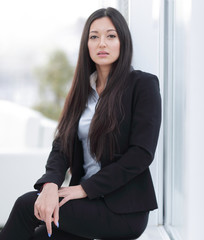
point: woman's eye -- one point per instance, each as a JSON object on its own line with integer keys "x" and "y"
{"x": 93, "y": 37}
{"x": 111, "y": 36}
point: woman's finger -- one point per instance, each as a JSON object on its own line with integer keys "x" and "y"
{"x": 64, "y": 200}
{"x": 62, "y": 189}
{"x": 48, "y": 222}
{"x": 56, "y": 216}
{"x": 37, "y": 214}
{"x": 64, "y": 193}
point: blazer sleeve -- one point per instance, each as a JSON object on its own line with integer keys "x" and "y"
{"x": 146, "y": 119}
{"x": 56, "y": 167}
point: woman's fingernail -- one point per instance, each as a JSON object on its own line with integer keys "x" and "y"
{"x": 49, "y": 235}
{"x": 58, "y": 224}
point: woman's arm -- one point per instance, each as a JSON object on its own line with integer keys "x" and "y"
{"x": 56, "y": 167}
{"x": 46, "y": 207}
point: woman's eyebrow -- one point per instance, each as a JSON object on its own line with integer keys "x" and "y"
{"x": 109, "y": 30}
{"x": 93, "y": 31}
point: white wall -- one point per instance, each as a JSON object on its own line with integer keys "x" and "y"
{"x": 25, "y": 142}
{"x": 18, "y": 173}
{"x": 22, "y": 127}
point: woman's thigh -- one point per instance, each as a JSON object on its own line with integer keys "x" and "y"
{"x": 90, "y": 219}
{"x": 93, "y": 219}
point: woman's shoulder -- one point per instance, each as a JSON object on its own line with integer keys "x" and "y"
{"x": 138, "y": 75}
{"x": 138, "y": 78}
{"x": 140, "y": 82}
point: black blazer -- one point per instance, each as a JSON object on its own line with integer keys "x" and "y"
{"x": 125, "y": 184}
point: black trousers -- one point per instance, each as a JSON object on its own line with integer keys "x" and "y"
{"x": 80, "y": 219}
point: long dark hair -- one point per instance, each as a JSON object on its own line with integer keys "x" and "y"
{"x": 105, "y": 122}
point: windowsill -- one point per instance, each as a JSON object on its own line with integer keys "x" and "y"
{"x": 154, "y": 233}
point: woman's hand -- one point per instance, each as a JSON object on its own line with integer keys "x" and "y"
{"x": 46, "y": 207}
{"x": 69, "y": 193}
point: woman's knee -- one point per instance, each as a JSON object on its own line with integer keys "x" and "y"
{"x": 26, "y": 200}
{"x": 138, "y": 223}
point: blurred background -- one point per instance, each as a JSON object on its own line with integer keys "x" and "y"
{"x": 39, "y": 42}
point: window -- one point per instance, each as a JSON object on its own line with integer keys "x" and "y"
{"x": 174, "y": 118}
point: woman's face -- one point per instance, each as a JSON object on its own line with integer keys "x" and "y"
{"x": 103, "y": 43}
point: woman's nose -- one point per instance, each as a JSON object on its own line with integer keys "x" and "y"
{"x": 102, "y": 42}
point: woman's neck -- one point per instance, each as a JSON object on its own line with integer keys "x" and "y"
{"x": 102, "y": 76}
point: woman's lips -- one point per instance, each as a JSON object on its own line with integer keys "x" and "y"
{"x": 102, "y": 54}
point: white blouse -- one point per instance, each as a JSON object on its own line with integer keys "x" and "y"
{"x": 90, "y": 165}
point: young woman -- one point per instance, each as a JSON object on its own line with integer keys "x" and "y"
{"x": 107, "y": 135}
